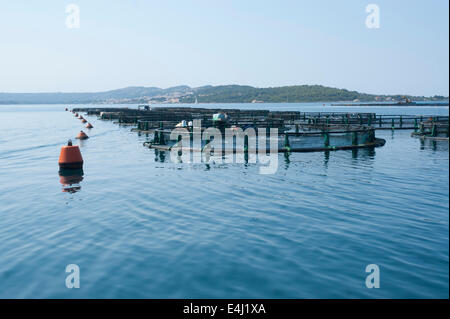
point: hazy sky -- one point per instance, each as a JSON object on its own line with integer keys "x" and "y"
{"x": 253, "y": 42}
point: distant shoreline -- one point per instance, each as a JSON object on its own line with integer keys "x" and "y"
{"x": 215, "y": 94}
{"x": 335, "y": 103}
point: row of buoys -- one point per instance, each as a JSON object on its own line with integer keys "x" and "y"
{"x": 88, "y": 125}
{"x": 81, "y": 135}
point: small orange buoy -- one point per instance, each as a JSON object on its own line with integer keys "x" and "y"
{"x": 82, "y": 136}
{"x": 89, "y": 125}
{"x": 83, "y": 121}
{"x": 70, "y": 157}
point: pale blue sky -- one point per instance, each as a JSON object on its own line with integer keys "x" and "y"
{"x": 199, "y": 42}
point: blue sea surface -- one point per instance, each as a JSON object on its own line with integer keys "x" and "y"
{"x": 142, "y": 226}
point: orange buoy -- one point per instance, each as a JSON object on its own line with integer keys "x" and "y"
{"x": 82, "y": 136}
{"x": 89, "y": 125}
{"x": 70, "y": 157}
{"x": 83, "y": 121}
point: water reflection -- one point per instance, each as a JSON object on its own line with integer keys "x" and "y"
{"x": 433, "y": 145}
{"x": 364, "y": 153}
{"x": 287, "y": 161}
{"x": 422, "y": 144}
{"x": 70, "y": 179}
{"x": 357, "y": 155}
{"x": 326, "y": 158}
{"x": 160, "y": 156}
{"x": 82, "y": 143}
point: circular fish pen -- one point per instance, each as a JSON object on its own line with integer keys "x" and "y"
{"x": 331, "y": 137}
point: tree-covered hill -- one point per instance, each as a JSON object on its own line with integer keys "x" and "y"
{"x": 299, "y": 93}
{"x": 206, "y": 94}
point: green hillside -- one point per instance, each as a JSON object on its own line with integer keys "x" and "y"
{"x": 205, "y": 94}
{"x": 299, "y": 93}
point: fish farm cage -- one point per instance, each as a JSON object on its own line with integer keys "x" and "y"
{"x": 296, "y": 131}
{"x": 150, "y": 119}
{"x": 432, "y": 130}
{"x": 331, "y": 138}
{"x": 371, "y": 119}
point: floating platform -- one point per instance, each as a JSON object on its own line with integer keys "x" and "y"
{"x": 168, "y": 117}
{"x": 379, "y": 122}
{"x": 432, "y": 130}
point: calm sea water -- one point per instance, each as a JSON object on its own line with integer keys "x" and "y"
{"x": 140, "y": 227}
